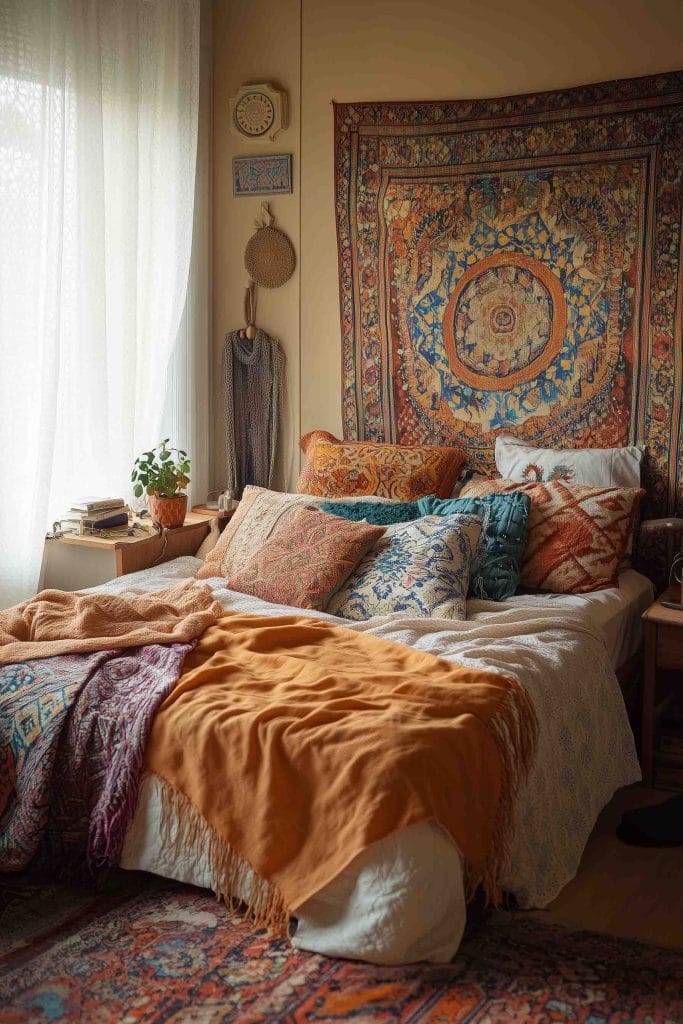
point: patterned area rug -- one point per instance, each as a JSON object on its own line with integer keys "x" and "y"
{"x": 145, "y": 950}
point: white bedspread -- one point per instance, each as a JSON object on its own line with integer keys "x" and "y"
{"x": 402, "y": 900}
{"x": 616, "y": 611}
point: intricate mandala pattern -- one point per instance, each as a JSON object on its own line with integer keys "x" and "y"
{"x": 506, "y": 269}
{"x": 505, "y": 322}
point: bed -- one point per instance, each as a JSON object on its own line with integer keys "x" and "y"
{"x": 403, "y": 899}
{"x": 492, "y": 732}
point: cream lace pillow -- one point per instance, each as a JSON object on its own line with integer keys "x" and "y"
{"x": 209, "y": 543}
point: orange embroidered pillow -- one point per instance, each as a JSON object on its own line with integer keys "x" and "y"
{"x": 337, "y": 469}
{"x": 577, "y": 534}
{"x": 307, "y": 559}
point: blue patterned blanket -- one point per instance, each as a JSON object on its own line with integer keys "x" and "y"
{"x": 73, "y": 730}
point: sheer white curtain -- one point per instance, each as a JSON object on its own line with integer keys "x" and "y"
{"x": 187, "y": 412}
{"x": 98, "y": 141}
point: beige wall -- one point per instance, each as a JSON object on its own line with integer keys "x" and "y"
{"x": 394, "y": 49}
{"x": 254, "y": 41}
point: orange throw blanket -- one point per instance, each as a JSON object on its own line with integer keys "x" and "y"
{"x": 290, "y": 745}
{"x": 55, "y": 622}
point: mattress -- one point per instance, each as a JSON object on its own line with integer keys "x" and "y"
{"x": 402, "y": 900}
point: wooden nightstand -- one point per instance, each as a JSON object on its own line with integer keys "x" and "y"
{"x": 102, "y": 558}
{"x": 663, "y": 654}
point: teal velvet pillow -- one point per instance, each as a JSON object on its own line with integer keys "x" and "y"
{"x": 506, "y": 525}
{"x": 378, "y": 513}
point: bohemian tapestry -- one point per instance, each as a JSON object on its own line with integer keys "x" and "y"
{"x": 513, "y": 266}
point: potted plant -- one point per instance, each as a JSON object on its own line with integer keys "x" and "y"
{"x": 161, "y": 474}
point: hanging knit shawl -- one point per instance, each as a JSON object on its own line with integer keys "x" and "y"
{"x": 252, "y": 379}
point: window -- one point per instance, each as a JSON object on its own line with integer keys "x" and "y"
{"x": 99, "y": 109}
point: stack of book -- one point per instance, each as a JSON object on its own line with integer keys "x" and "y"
{"x": 99, "y": 513}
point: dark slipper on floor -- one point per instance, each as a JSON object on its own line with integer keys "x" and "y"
{"x": 658, "y": 825}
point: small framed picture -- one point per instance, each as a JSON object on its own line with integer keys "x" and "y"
{"x": 262, "y": 175}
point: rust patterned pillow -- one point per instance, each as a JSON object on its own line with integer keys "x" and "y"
{"x": 577, "y": 534}
{"x": 337, "y": 469}
{"x": 309, "y": 556}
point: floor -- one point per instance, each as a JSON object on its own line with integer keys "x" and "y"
{"x": 628, "y": 891}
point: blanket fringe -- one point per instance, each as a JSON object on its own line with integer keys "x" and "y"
{"x": 233, "y": 880}
{"x": 514, "y": 729}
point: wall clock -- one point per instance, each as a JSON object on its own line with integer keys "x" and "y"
{"x": 258, "y": 112}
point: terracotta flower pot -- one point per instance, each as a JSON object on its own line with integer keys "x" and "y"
{"x": 169, "y": 512}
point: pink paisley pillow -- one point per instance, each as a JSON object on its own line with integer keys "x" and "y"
{"x": 577, "y": 534}
{"x": 339, "y": 469}
{"x": 306, "y": 560}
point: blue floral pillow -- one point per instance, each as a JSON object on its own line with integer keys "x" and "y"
{"x": 385, "y": 513}
{"x": 506, "y": 526}
{"x": 420, "y": 569}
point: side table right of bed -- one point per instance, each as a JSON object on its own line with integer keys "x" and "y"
{"x": 663, "y": 657}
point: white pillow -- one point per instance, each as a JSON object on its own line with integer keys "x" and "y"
{"x": 597, "y": 467}
{"x": 419, "y": 569}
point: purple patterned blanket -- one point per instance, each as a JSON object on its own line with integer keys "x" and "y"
{"x": 73, "y": 730}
